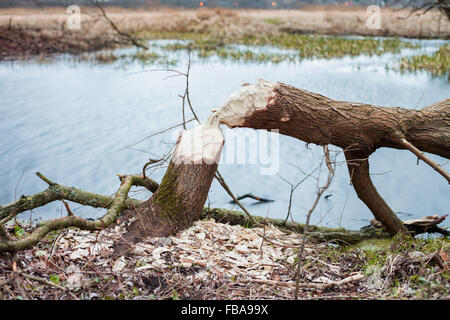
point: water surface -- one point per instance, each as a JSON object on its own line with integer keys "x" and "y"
{"x": 73, "y": 122}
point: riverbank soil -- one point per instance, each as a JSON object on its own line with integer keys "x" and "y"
{"x": 25, "y": 32}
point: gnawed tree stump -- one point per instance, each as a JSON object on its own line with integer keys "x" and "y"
{"x": 179, "y": 200}
{"x": 359, "y": 129}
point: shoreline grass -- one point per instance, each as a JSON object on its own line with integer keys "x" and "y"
{"x": 438, "y": 64}
{"x": 305, "y": 46}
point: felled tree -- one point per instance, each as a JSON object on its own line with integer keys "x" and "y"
{"x": 359, "y": 129}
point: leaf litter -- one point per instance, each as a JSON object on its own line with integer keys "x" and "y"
{"x": 209, "y": 260}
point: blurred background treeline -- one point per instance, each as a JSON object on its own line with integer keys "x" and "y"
{"x": 251, "y": 4}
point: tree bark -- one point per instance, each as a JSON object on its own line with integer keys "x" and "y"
{"x": 358, "y": 128}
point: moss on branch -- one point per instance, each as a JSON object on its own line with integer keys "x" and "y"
{"x": 322, "y": 234}
{"x": 42, "y": 229}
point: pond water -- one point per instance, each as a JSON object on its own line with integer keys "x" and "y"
{"x": 75, "y": 123}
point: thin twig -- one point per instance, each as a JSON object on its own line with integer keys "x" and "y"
{"x": 222, "y": 182}
{"x": 44, "y": 281}
{"x": 292, "y": 191}
{"x": 113, "y": 25}
{"x": 420, "y": 155}
{"x": 320, "y": 192}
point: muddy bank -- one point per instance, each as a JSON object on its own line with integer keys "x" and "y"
{"x": 19, "y": 43}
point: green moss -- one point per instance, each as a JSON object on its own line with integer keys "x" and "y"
{"x": 373, "y": 245}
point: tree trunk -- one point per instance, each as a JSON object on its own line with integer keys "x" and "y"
{"x": 358, "y": 128}
{"x": 179, "y": 200}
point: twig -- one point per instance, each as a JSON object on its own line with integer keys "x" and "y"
{"x": 321, "y": 286}
{"x": 420, "y": 155}
{"x": 222, "y": 182}
{"x": 48, "y": 181}
{"x": 320, "y": 191}
{"x": 150, "y": 162}
{"x": 44, "y": 281}
{"x": 249, "y": 195}
{"x": 20, "y": 287}
{"x": 293, "y": 189}
{"x": 155, "y": 134}
{"x": 69, "y": 212}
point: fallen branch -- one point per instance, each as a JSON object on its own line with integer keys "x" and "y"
{"x": 43, "y": 228}
{"x": 316, "y": 233}
{"x": 249, "y": 195}
{"x": 310, "y": 285}
{"x": 124, "y": 35}
{"x": 426, "y": 224}
{"x": 59, "y": 192}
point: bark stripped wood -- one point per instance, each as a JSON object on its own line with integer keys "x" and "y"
{"x": 357, "y": 128}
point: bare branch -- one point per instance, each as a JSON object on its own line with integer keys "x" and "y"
{"x": 320, "y": 192}
{"x": 42, "y": 229}
{"x": 127, "y": 36}
{"x": 420, "y": 155}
